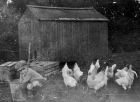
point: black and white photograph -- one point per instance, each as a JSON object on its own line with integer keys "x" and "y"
{"x": 69, "y": 50}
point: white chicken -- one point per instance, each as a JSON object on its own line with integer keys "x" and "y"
{"x": 110, "y": 72}
{"x": 93, "y": 68}
{"x": 9, "y": 1}
{"x": 66, "y": 70}
{"x": 77, "y": 72}
{"x": 122, "y": 77}
{"x": 97, "y": 64}
{"x": 131, "y": 74}
{"x": 67, "y": 76}
{"x": 29, "y": 86}
{"x": 121, "y": 73}
{"x": 98, "y": 81}
{"x": 91, "y": 74}
{"x": 125, "y": 77}
{"x": 33, "y": 84}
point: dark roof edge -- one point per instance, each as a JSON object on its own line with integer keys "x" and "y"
{"x": 100, "y": 20}
{"x": 67, "y": 8}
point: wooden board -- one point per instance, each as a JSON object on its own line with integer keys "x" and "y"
{"x": 5, "y": 70}
{"x": 8, "y": 65}
{"x": 45, "y": 68}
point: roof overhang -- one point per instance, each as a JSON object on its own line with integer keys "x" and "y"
{"x": 66, "y": 13}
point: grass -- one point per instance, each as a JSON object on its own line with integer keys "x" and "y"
{"x": 54, "y": 89}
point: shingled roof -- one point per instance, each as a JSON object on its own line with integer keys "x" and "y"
{"x": 63, "y": 13}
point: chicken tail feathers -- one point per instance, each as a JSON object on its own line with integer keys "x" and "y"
{"x": 113, "y": 67}
{"x": 97, "y": 65}
{"x": 135, "y": 73}
{"x": 130, "y": 68}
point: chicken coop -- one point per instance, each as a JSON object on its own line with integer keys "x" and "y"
{"x": 63, "y": 34}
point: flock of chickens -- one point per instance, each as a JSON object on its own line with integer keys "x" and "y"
{"x": 97, "y": 79}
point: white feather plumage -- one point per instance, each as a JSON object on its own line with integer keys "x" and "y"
{"x": 33, "y": 84}
{"x": 68, "y": 79}
{"x": 92, "y": 67}
{"x": 77, "y": 72}
{"x": 97, "y": 64}
{"x": 125, "y": 77}
{"x": 110, "y": 72}
{"x": 97, "y": 81}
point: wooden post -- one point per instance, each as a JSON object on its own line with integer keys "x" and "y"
{"x": 29, "y": 53}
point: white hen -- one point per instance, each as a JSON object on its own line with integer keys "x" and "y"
{"x": 103, "y": 81}
{"x": 121, "y": 73}
{"x": 68, "y": 79}
{"x": 77, "y": 72}
{"x": 97, "y": 81}
{"x": 131, "y": 74}
{"x": 122, "y": 77}
{"x": 123, "y": 81}
{"x": 110, "y": 72}
{"x": 93, "y": 68}
{"x": 29, "y": 86}
{"x": 33, "y": 84}
{"x": 125, "y": 77}
{"x": 66, "y": 70}
{"x": 97, "y": 64}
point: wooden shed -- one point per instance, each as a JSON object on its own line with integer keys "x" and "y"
{"x": 63, "y": 34}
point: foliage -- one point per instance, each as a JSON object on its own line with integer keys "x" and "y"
{"x": 9, "y": 17}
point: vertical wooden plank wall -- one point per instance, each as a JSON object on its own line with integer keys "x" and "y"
{"x": 60, "y": 40}
{"x": 73, "y": 41}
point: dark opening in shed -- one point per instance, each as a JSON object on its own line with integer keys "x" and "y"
{"x": 63, "y": 34}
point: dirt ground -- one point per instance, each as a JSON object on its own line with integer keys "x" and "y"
{"x": 54, "y": 89}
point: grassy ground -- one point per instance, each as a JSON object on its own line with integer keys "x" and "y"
{"x": 54, "y": 89}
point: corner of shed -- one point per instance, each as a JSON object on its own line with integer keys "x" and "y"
{"x": 27, "y": 17}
